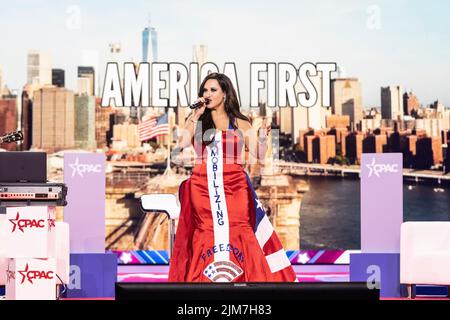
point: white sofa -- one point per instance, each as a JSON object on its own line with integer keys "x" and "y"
{"x": 425, "y": 254}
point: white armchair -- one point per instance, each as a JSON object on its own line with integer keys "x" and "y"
{"x": 425, "y": 254}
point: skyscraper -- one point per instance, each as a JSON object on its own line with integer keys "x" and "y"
{"x": 391, "y": 102}
{"x": 294, "y": 119}
{"x": 39, "y": 70}
{"x": 58, "y": 78}
{"x": 115, "y": 55}
{"x": 438, "y": 106}
{"x": 85, "y": 122}
{"x": 303, "y": 118}
{"x": 346, "y": 99}
{"x": 83, "y": 86}
{"x": 115, "y": 48}
{"x": 149, "y": 44}
{"x": 87, "y": 73}
{"x": 26, "y": 117}
{"x": 410, "y": 103}
{"x": 200, "y": 54}
{"x": 286, "y": 120}
{"x": 8, "y": 118}
{"x": 53, "y": 119}
{"x": 102, "y": 125}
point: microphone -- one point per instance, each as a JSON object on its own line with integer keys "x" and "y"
{"x": 199, "y": 104}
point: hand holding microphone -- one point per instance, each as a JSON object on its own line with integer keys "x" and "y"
{"x": 199, "y": 107}
{"x": 199, "y": 103}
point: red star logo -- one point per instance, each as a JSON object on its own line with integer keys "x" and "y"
{"x": 14, "y": 222}
{"x": 24, "y": 275}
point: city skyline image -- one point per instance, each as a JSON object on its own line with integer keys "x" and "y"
{"x": 363, "y": 38}
{"x": 328, "y": 82}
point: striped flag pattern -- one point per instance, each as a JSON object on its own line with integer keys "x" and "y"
{"x": 153, "y": 127}
{"x": 267, "y": 238}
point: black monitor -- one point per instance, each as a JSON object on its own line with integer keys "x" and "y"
{"x": 23, "y": 166}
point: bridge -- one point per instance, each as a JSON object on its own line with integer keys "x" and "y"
{"x": 143, "y": 172}
{"x": 295, "y": 168}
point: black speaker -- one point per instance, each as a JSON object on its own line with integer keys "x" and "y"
{"x": 250, "y": 291}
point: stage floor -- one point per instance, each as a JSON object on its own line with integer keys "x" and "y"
{"x": 305, "y": 273}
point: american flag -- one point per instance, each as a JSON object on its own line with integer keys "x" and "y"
{"x": 153, "y": 127}
{"x": 268, "y": 240}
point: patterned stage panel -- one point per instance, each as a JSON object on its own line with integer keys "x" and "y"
{"x": 297, "y": 257}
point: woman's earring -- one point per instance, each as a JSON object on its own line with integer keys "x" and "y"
{"x": 224, "y": 97}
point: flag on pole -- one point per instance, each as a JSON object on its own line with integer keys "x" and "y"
{"x": 153, "y": 127}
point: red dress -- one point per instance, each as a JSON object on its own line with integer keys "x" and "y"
{"x": 223, "y": 234}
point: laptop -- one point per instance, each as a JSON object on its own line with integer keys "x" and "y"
{"x": 23, "y": 166}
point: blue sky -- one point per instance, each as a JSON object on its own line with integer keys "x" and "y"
{"x": 382, "y": 43}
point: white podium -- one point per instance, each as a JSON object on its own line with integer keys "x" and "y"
{"x": 30, "y": 232}
{"x": 31, "y": 279}
{"x": 30, "y": 250}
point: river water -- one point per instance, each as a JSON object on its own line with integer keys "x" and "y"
{"x": 330, "y": 211}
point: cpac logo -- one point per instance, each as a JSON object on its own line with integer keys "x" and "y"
{"x": 376, "y": 169}
{"x": 31, "y": 275}
{"x": 26, "y": 223}
{"x": 80, "y": 168}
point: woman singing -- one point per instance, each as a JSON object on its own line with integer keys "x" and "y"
{"x": 223, "y": 234}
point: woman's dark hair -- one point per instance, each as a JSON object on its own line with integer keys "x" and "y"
{"x": 231, "y": 105}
